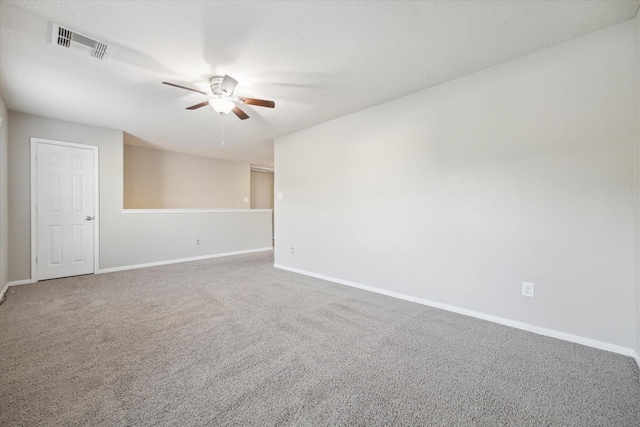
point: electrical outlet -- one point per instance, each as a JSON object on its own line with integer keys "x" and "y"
{"x": 527, "y": 289}
{"x": 293, "y": 250}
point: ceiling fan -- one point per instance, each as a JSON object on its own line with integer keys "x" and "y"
{"x": 222, "y": 98}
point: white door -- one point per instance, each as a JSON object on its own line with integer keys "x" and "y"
{"x": 65, "y": 211}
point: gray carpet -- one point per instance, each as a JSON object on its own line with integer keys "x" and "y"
{"x": 233, "y": 341}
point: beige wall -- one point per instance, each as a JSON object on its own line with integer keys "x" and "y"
{"x": 155, "y": 179}
{"x": 4, "y": 197}
{"x": 126, "y": 239}
{"x": 523, "y": 172}
{"x": 261, "y": 190}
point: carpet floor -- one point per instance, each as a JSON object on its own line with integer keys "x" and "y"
{"x": 233, "y": 341}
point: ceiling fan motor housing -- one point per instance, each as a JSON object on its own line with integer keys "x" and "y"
{"x": 223, "y": 85}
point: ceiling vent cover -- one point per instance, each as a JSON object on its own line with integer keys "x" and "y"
{"x": 73, "y": 40}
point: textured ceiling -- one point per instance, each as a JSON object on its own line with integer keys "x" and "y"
{"x": 317, "y": 60}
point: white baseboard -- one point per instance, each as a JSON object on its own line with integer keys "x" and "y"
{"x": 348, "y": 283}
{"x": 21, "y": 282}
{"x": 4, "y": 291}
{"x": 14, "y": 283}
{"x": 495, "y": 319}
{"x": 589, "y": 342}
{"x": 636, "y": 356}
{"x": 176, "y": 261}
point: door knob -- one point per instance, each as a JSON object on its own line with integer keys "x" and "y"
{"x": 89, "y": 218}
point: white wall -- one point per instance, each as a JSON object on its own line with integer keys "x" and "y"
{"x": 459, "y": 193}
{"x": 4, "y": 197}
{"x": 125, "y": 238}
{"x": 155, "y": 179}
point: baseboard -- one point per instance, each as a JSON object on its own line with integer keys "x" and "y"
{"x": 589, "y": 342}
{"x": 176, "y": 261}
{"x": 636, "y": 357}
{"x": 4, "y": 291}
{"x": 495, "y": 319}
{"x": 348, "y": 283}
{"x": 14, "y": 283}
{"x": 21, "y": 282}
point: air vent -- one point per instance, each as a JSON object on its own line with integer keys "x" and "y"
{"x": 73, "y": 40}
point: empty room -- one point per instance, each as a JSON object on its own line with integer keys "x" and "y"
{"x": 307, "y": 213}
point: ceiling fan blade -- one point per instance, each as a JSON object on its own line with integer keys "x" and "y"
{"x": 195, "y": 107}
{"x": 228, "y": 84}
{"x": 187, "y": 88}
{"x": 241, "y": 114}
{"x": 258, "y": 102}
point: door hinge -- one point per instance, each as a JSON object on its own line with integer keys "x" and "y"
{"x": 36, "y": 259}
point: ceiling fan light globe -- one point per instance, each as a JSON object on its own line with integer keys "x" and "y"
{"x": 221, "y": 105}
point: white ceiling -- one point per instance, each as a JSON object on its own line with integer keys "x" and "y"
{"x": 317, "y": 60}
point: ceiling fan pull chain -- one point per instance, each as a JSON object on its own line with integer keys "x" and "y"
{"x": 222, "y": 131}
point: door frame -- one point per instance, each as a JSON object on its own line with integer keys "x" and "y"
{"x": 34, "y": 200}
